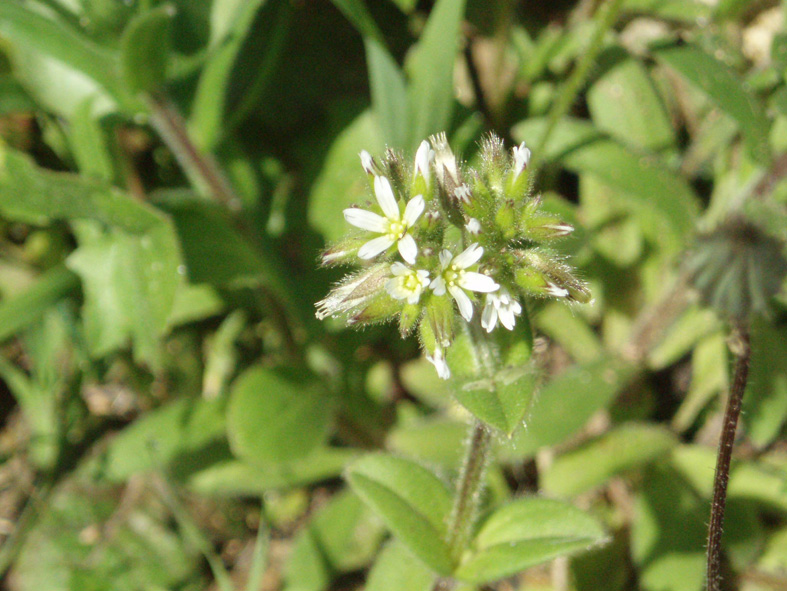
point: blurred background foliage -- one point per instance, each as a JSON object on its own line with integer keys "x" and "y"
{"x": 174, "y": 417}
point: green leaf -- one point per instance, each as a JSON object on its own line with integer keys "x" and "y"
{"x": 430, "y": 439}
{"x": 389, "y": 94}
{"x": 210, "y": 101}
{"x": 239, "y": 478}
{"x": 669, "y": 532}
{"x": 725, "y": 89}
{"x": 21, "y": 311}
{"x": 396, "y": 569}
{"x": 765, "y": 401}
{"x": 58, "y": 40}
{"x": 343, "y": 536}
{"x": 341, "y": 181}
{"x": 88, "y": 144}
{"x": 276, "y": 415}
{"x": 432, "y": 71}
{"x": 356, "y": 12}
{"x": 625, "y": 447}
{"x": 566, "y": 403}
{"x": 145, "y": 49}
{"x": 643, "y": 181}
{"x": 129, "y": 281}
{"x": 411, "y": 501}
{"x": 36, "y": 196}
{"x": 160, "y": 436}
{"x": 526, "y": 532}
{"x": 624, "y": 103}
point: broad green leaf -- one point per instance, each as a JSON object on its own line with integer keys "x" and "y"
{"x": 276, "y": 415}
{"x": 625, "y": 447}
{"x": 765, "y": 401}
{"x": 21, "y": 311}
{"x": 411, "y": 501}
{"x": 565, "y": 326}
{"x": 396, "y": 569}
{"x": 389, "y": 94}
{"x": 343, "y": 536}
{"x": 36, "y": 196}
{"x": 59, "y": 41}
{"x": 624, "y": 103}
{"x": 342, "y": 181}
{"x": 564, "y": 404}
{"x": 669, "y": 532}
{"x": 647, "y": 183}
{"x": 431, "y": 439}
{"x": 145, "y": 48}
{"x": 691, "y": 327}
{"x": 235, "y": 478}
{"x": 761, "y": 482}
{"x": 221, "y": 356}
{"x": 501, "y": 399}
{"x": 432, "y": 71}
{"x": 160, "y": 436}
{"x": 129, "y": 281}
{"x": 725, "y": 89}
{"x": 526, "y": 532}
{"x": 13, "y": 98}
{"x": 210, "y": 101}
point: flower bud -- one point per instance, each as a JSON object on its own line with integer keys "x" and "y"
{"x": 439, "y": 316}
{"x": 543, "y": 227}
{"x": 408, "y": 318}
{"x": 355, "y": 291}
{"x": 378, "y": 309}
{"x": 517, "y": 181}
{"x": 422, "y": 172}
{"x": 542, "y": 274}
{"x": 493, "y": 162}
{"x": 505, "y": 219}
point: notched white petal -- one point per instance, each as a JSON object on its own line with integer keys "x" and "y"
{"x": 366, "y": 220}
{"x": 414, "y": 209}
{"x": 478, "y": 282}
{"x": 374, "y": 247}
{"x": 385, "y": 197}
{"x": 408, "y": 249}
{"x": 464, "y": 303}
{"x": 469, "y": 256}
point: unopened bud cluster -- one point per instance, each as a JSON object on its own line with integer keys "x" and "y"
{"x": 440, "y": 238}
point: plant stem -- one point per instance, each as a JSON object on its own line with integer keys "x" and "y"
{"x": 201, "y": 168}
{"x": 741, "y": 347}
{"x": 468, "y": 492}
{"x": 606, "y": 17}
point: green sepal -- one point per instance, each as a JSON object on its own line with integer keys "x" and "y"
{"x": 383, "y": 307}
{"x": 408, "y": 318}
{"x": 505, "y": 219}
{"x": 439, "y": 317}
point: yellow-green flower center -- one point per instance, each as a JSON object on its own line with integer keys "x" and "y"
{"x": 396, "y": 229}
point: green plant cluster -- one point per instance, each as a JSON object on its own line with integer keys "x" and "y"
{"x": 179, "y": 181}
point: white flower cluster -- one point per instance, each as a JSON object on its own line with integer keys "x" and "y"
{"x": 409, "y": 283}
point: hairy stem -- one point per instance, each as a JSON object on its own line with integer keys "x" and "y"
{"x": 468, "y": 492}
{"x": 741, "y": 346}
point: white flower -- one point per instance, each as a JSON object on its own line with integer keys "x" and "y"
{"x": 407, "y": 283}
{"x": 473, "y": 226}
{"x": 438, "y": 360}
{"x": 444, "y": 162}
{"x": 521, "y": 159}
{"x": 462, "y": 193}
{"x": 393, "y": 226}
{"x": 454, "y": 276}
{"x": 500, "y": 305}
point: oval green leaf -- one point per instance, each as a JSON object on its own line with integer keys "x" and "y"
{"x": 524, "y": 533}
{"x": 411, "y": 500}
{"x": 274, "y": 416}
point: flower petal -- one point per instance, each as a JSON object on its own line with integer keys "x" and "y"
{"x": 477, "y": 282}
{"x": 399, "y": 269}
{"x": 423, "y": 157}
{"x": 438, "y": 285}
{"x": 367, "y": 162}
{"x": 414, "y": 209}
{"x": 374, "y": 247}
{"x": 507, "y": 317}
{"x": 489, "y": 317}
{"x": 469, "y": 256}
{"x": 408, "y": 249}
{"x": 366, "y": 220}
{"x": 385, "y": 197}
{"x": 445, "y": 258}
{"x": 464, "y": 303}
